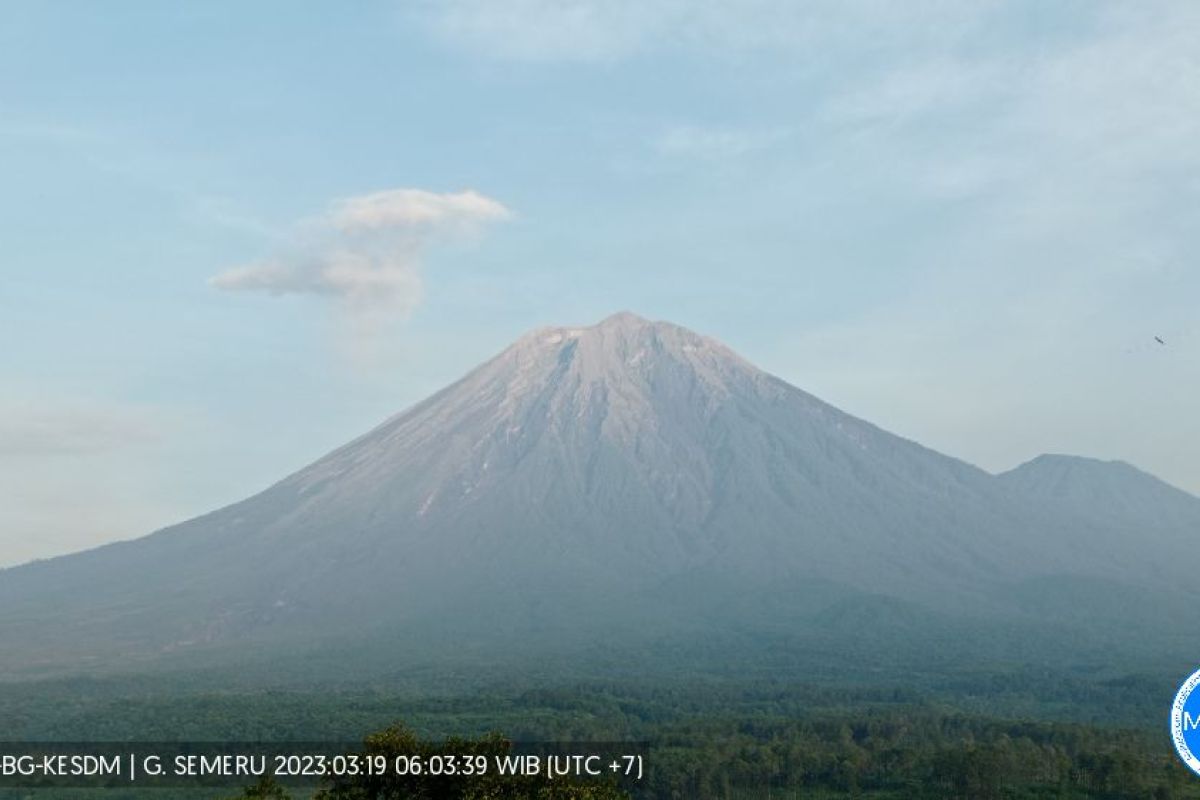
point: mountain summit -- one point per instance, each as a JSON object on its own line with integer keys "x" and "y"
{"x": 628, "y": 469}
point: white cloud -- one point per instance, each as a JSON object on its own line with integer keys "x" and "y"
{"x": 414, "y": 208}
{"x": 367, "y": 251}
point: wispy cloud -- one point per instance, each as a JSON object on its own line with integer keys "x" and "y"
{"x": 549, "y": 30}
{"x": 414, "y": 209}
{"x": 44, "y": 430}
{"x": 604, "y": 30}
{"x": 367, "y": 251}
{"x": 706, "y": 143}
{"x": 76, "y": 472}
{"x": 1066, "y": 178}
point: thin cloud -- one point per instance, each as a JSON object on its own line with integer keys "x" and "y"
{"x": 414, "y": 208}
{"x": 1080, "y": 165}
{"x": 367, "y": 251}
{"x": 71, "y": 431}
{"x": 75, "y": 473}
{"x": 715, "y": 144}
{"x": 550, "y": 30}
{"x": 608, "y": 30}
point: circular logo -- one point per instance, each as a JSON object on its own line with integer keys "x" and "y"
{"x": 1185, "y": 722}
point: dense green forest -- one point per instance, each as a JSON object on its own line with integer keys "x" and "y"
{"x": 1016, "y": 733}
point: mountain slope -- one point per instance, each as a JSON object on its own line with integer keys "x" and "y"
{"x": 582, "y": 478}
{"x": 1111, "y": 490}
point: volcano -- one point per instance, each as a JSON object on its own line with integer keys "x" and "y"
{"x": 621, "y": 479}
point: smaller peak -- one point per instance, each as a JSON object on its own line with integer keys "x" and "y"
{"x": 1094, "y": 475}
{"x": 1059, "y": 466}
{"x": 1063, "y": 460}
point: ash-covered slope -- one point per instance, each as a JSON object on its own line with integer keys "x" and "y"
{"x": 583, "y": 475}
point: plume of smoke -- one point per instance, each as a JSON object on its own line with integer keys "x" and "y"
{"x": 366, "y": 252}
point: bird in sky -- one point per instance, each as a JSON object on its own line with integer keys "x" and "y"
{"x": 1159, "y": 340}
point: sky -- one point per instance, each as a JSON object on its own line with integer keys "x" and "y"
{"x": 235, "y": 235}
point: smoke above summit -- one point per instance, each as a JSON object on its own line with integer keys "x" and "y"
{"x": 367, "y": 251}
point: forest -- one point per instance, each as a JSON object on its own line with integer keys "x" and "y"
{"x": 1018, "y": 733}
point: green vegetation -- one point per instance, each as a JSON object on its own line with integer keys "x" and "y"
{"x": 1012, "y": 734}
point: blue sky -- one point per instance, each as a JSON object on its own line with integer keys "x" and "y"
{"x": 965, "y": 222}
